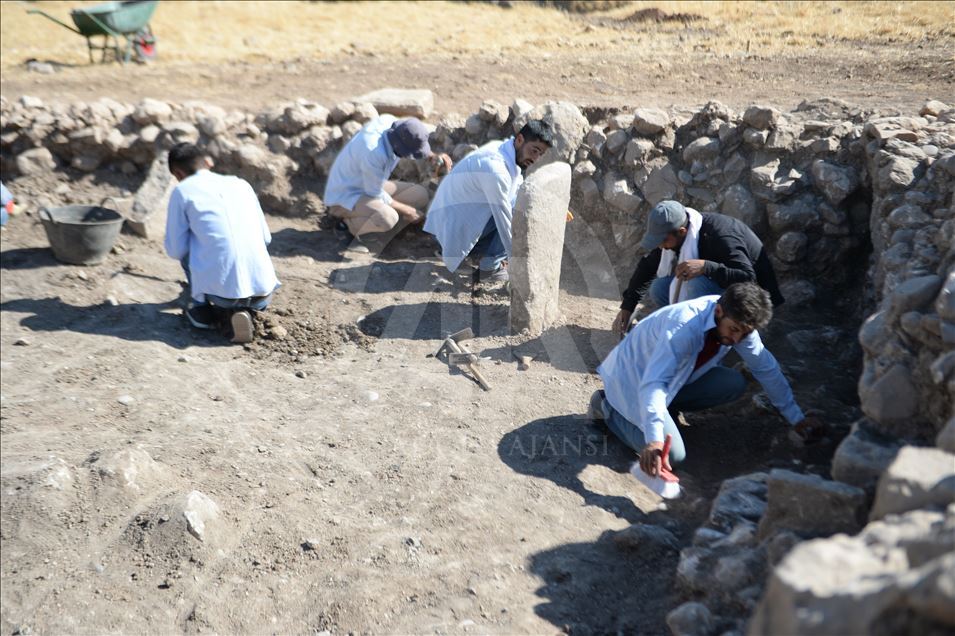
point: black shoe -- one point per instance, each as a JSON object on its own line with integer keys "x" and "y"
{"x": 498, "y": 275}
{"x": 203, "y": 316}
{"x": 342, "y": 232}
{"x": 596, "y": 411}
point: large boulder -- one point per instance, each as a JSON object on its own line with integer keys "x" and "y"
{"x": 834, "y": 181}
{"x": 619, "y": 195}
{"x": 917, "y": 478}
{"x": 35, "y": 161}
{"x": 892, "y": 399}
{"x": 569, "y": 126}
{"x": 761, "y": 117}
{"x": 650, "y": 121}
{"x": 400, "y": 102}
{"x": 897, "y": 569}
{"x": 862, "y": 457}
{"x": 811, "y": 506}
{"x": 151, "y": 111}
{"x": 740, "y": 204}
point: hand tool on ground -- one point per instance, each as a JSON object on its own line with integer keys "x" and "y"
{"x": 666, "y": 484}
{"x": 459, "y": 355}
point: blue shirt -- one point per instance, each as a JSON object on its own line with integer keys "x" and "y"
{"x": 648, "y": 368}
{"x": 216, "y": 222}
{"x": 363, "y": 166}
{"x": 480, "y": 187}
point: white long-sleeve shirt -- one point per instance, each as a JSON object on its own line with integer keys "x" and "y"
{"x": 217, "y": 223}
{"x": 363, "y": 166}
{"x": 481, "y": 186}
{"x": 643, "y": 374}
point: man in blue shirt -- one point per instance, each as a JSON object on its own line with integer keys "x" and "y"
{"x": 216, "y": 229}
{"x": 359, "y": 191}
{"x": 670, "y": 360}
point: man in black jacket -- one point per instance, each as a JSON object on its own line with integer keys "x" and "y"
{"x": 693, "y": 255}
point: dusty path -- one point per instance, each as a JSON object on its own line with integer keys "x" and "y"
{"x": 872, "y": 77}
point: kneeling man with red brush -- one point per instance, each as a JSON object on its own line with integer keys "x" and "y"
{"x": 670, "y": 362}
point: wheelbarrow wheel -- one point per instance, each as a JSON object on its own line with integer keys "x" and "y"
{"x": 144, "y": 44}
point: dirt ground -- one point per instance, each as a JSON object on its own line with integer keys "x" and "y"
{"x": 425, "y": 503}
{"x": 363, "y": 487}
{"x": 254, "y": 55}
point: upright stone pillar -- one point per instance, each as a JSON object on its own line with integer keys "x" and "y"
{"x": 147, "y": 217}
{"x": 540, "y": 217}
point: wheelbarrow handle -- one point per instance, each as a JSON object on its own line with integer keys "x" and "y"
{"x": 49, "y": 217}
{"x": 50, "y": 17}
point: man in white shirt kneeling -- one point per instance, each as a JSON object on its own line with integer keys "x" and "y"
{"x": 216, "y": 229}
{"x": 360, "y": 191}
{"x": 671, "y": 360}
{"x": 473, "y": 207}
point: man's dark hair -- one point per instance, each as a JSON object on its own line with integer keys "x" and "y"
{"x": 748, "y": 304}
{"x": 186, "y": 157}
{"x": 538, "y": 130}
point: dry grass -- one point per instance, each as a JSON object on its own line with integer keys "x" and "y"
{"x": 217, "y": 32}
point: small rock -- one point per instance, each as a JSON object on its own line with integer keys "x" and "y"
{"x": 642, "y": 536}
{"x": 182, "y": 359}
{"x": 301, "y": 374}
{"x": 371, "y": 396}
{"x": 111, "y": 301}
{"x": 43, "y": 68}
{"x": 199, "y": 510}
{"x": 126, "y": 400}
{"x": 22, "y": 342}
{"x": 310, "y": 545}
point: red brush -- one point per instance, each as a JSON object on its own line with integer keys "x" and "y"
{"x": 666, "y": 484}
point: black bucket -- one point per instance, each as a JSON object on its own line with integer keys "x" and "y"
{"x": 81, "y": 234}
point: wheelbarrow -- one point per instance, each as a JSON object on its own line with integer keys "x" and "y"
{"x": 128, "y": 20}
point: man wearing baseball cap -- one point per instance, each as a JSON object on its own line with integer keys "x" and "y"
{"x": 693, "y": 255}
{"x": 359, "y": 192}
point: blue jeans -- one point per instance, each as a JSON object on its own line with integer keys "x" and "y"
{"x": 490, "y": 248}
{"x": 694, "y": 288}
{"x": 717, "y": 386}
{"x": 255, "y": 303}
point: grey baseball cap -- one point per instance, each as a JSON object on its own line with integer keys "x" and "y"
{"x": 409, "y": 138}
{"x": 665, "y": 217}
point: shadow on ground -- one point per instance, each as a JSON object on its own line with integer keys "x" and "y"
{"x": 27, "y": 258}
{"x": 435, "y": 320}
{"x": 135, "y": 321}
{"x": 604, "y": 588}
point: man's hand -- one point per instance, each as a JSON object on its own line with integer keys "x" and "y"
{"x": 651, "y": 459}
{"x": 810, "y": 430}
{"x": 690, "y": 269}
{"x": 621, "y": 322}
{"x": 407, "y": 213}
{"x": 440, "y": 164}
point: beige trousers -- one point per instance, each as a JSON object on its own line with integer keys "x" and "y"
{"x": 372, "y": 215}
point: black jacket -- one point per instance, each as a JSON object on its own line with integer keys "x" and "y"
{"x": 733, "y": 254}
